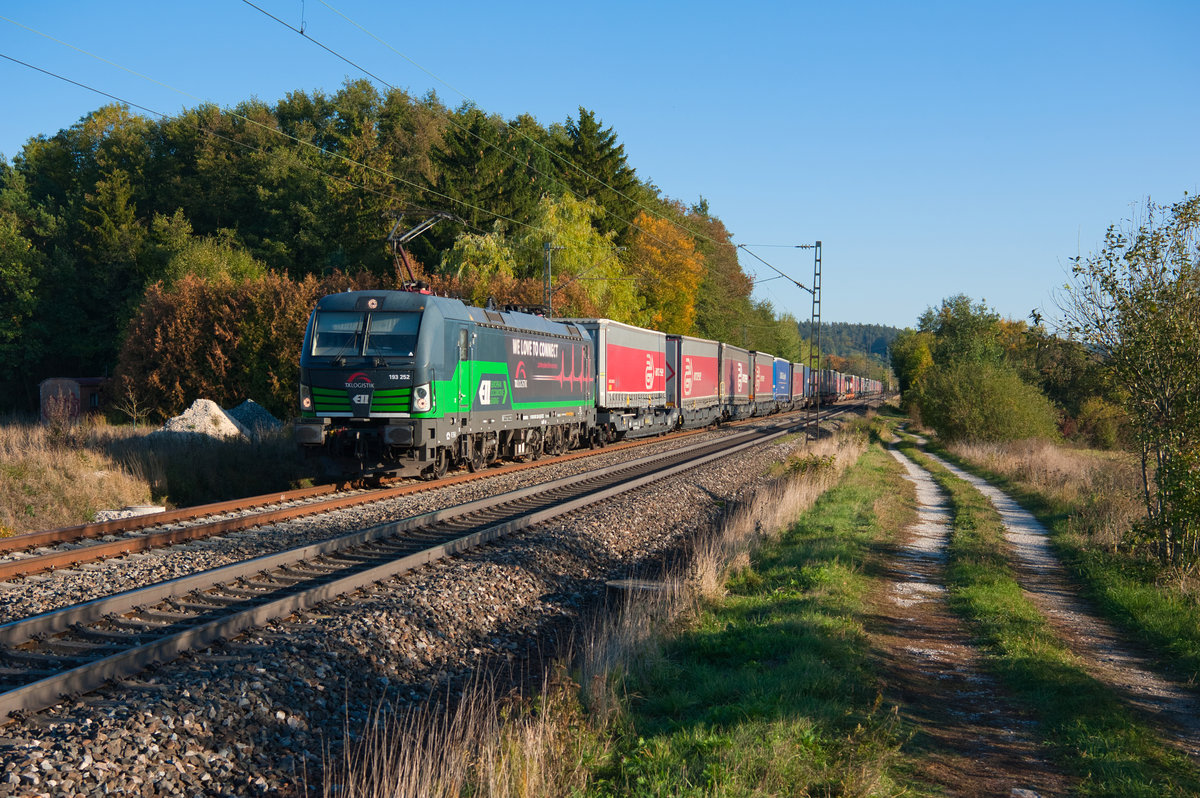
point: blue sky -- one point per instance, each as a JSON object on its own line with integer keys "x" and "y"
{"x": 933, "y": 148}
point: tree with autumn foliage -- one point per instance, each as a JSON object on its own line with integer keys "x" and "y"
{"x": 957, "y": 378}
{"x": 667, "y": 269}
{"x": 95, "y": 215}
{"x": 222, "y": 339}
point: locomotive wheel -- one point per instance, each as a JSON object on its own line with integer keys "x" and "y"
{"x": 554, "y": 441}
{"x": 441, "y": 462}
{"x": 475, "y": 457}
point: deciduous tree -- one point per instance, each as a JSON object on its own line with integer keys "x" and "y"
{"x": 1137, "y": 303}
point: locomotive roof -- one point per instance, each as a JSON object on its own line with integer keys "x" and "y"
{"x": 447, "y": 308}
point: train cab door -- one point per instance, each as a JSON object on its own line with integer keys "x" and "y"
{"x": 466, "y": 395}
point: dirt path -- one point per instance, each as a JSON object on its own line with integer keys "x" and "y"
{"x": 1105, "y": 654}
{"x": 971, "y": 737}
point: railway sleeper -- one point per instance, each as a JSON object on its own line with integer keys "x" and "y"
{"x": 249, "y": 592}
{"x": 24, "y": 675}
{"x": 79, "y": 648}
{"x": 56, "y": 661}
{"x": 148, "y": 617}
{"x": 133, "y": 636}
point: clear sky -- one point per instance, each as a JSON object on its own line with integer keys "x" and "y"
{"x": 933, "y": 148}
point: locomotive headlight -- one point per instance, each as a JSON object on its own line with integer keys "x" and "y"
{"x": 306, "y": 401}
{"x": 422, "y": 398}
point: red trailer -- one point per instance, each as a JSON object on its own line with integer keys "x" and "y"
{"x": 693, "y": 379}
{"x": 631, "y": 378}
{"x": 762, "y": 394}
{"x": 736, "y": 370}
{"x": 799, "y": 385}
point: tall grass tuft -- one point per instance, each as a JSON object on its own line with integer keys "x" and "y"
{"x": 1101, "y": 491}
{"x": 54, "y": 475}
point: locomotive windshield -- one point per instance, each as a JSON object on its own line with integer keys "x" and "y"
{"x": 392, "y": 334}
{"x": 380, "y": 334}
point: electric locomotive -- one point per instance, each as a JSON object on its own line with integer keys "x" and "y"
{"x": 399, "y": 382}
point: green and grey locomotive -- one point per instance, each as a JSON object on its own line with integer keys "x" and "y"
{"x": 399, "y": 382}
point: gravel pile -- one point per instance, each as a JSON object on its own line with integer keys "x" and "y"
{"x": 205, "y": 417}
{"x": 253, "y": 716}
{"x": 254, "y": 417}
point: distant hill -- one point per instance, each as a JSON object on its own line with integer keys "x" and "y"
{"x": 843, "y": 339}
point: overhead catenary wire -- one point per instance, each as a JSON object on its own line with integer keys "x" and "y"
{"x": 520, "y": 133}
{"x": 689, "y": 231}
{"x": 253, "y": 148}
{"x": 244, "y": 118}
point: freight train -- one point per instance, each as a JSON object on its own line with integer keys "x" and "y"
{"x": 401, "y": 382}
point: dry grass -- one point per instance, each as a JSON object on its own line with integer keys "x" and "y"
{"x": 1101, "y": 489}
{"x": 487, "y": 743}
{"x": 54, "y": 475}
{"x": 497, "y": 746}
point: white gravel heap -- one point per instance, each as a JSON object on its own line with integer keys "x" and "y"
{"x": 205, "y": 417}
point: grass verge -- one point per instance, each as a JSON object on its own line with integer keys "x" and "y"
{"x": 771, "y": 689}
{"x": 1090, "y": 731}
{"x": 1154, "y": 606}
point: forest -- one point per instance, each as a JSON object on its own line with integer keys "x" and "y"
{"x": 180, "y": 256}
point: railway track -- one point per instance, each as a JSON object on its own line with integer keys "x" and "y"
{"x": 37, "y": 552}
{"x": 77, "y": 649}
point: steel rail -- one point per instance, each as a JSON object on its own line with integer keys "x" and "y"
{"x": 89, "y": 676}
{"x": 66, "y": 558}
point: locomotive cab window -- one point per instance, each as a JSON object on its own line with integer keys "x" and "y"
{"x": 337, "y": 334}
{"x": 392, "y": 334}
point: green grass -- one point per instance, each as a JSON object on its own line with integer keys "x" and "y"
{"x": 1089, "y": 730}
{"x": 1130, "y": 590}
{"x": 772, "y": 691}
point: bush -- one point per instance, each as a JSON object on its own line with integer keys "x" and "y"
{"x": 984, "y": 402}
{"x": 1102, "y": 424}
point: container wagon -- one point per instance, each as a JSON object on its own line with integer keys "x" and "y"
{"x": 693, "y": 379}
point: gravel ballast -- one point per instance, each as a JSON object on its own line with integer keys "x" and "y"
{"x": 254, "y": 716}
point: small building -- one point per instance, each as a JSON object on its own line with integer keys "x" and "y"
{"x": 69, "y": 398}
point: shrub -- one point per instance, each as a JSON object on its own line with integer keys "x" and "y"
{"x": 222, "y": 339}
{"x": 1101, "y": 423}
{"x": 986, "y": 402}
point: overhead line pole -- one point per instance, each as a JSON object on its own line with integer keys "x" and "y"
{"x": 812, "y": 422}
{"x": 814, "y": 348}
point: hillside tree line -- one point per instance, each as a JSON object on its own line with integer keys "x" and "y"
{"x": 178, "y": 253}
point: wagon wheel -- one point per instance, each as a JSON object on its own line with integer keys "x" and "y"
{"x": 535, "y": 444}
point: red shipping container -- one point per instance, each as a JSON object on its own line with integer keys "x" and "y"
{"x": 631, "y": 363}
{"x": 692, "y": 371}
